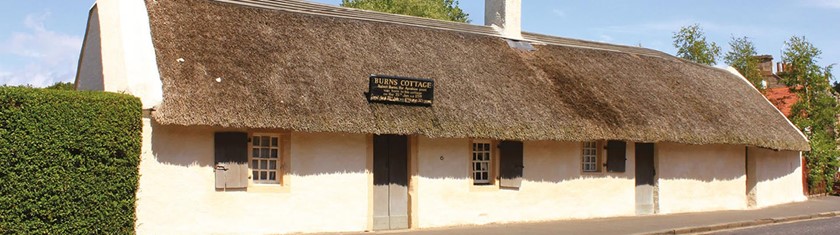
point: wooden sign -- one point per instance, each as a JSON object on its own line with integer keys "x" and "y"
{"x": 401, "y": 90}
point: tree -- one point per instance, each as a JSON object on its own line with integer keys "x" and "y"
{"x": 62, "y": 86}
{"x": 435, "y": 9}
{"x": 816, "y": 111}
{"x": 742, "y": 57}
{"x": 691, "y": 45}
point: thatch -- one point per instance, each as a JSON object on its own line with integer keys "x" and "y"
{"x": 309, "y": 72}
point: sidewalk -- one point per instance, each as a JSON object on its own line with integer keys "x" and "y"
{"x": 828, "y": 206}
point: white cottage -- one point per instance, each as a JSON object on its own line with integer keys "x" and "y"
{"x": 263, "y": 116}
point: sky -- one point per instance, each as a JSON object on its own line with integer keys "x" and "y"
{"x": 40, "y": 40}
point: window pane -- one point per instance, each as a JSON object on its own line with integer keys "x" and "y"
{"x": 255, "y": 174}
{"x": 274, "y": 142}
{"x": 255, "y": 164}
{"x": 484, "y": 175}
{"x": 272, "y": 164}
{"x": 263, "y": 175}
{"x": 273, "y": 153}
{"x": 264, "y": 153}
{"x": 272, "y": 176}
{"x": 265, "y": 141}
{"x": 255, "y": 152}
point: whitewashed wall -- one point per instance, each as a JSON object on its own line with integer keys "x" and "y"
{"x": 330, "y": 183}
{"x": 778, "y": 177}
{"x": 89, "y": 74}
{"x": 118, "y": 55}
{"x": 701, "y": 177}
{"x": 553, "y": 188}
{"x": 177, "y": 195}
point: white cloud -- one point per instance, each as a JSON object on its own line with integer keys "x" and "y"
{"x": 558, "y": 12}
{"x": 47, "y": 56}
{"x": 670, "y": 27}
{"x": 605, "y": 38}
{"x": 835, "y": 4}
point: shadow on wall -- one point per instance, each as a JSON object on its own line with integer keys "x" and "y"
{"x": 773, "y": 165}
{"x": 706, "y": 163}
{"x": 544, "y": 162}
{"x": 182, "y": 145}
{"x": 325, "y": 154}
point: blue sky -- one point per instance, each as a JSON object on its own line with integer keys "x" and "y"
{"x": 40, "y": 40}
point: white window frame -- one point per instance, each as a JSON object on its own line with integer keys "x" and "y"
{"x": 273, "y": 152}
{"x": 481, "y": 159}
{"x": 590, "y": 157}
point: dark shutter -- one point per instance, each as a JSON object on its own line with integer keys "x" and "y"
{"x": 231, "y": 159}
{"x": 510, "y": 164}
{"x": 616, "y": 155}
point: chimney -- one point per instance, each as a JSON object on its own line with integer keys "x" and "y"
{"x": 765, "y": 64}
{"x": 505, "y": 16}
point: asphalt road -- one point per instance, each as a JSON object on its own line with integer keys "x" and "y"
{"x": 819, "y": 226}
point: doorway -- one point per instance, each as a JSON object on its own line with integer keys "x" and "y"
{"x": 390, "y": 182}
{"x": 645, "y": 178}
{"x": 510, "y": 164}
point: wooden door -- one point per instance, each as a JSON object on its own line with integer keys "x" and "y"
{"x": 510, "y": 164}
{"x": 390, "y": 182}
{"x": 645, "y": 176}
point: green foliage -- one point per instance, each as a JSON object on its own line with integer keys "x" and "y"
{"x": 68, "y": 161}
{"x": 742, "y": 57}
{"x": 691, "y": 45}
{"x": 67, "y": 86}
{"x": 816, "y": 111}
{"x": 434, "y": 9}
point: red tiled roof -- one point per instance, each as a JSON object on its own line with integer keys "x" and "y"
{"x": 782, "y": 98}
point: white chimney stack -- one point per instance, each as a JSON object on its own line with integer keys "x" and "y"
{"x": 505, "y": 16}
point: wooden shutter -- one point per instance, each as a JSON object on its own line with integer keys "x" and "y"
{"x": 231, "y": 158}
{"x": 616, "y": 155}
{"x": 510, "y": 164}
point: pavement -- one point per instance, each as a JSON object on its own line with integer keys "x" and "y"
{"x": 684, "y": 223}
{"x": 827, "y": 226}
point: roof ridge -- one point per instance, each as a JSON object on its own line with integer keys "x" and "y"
{"x": 306, "y": 7}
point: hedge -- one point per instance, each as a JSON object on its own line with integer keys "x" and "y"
{"x": 68, "y": 161}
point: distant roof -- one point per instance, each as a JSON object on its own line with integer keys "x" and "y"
{"x": 782, "y": 98}
{"x": 302, "y": 66}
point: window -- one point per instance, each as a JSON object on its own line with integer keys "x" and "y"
{"x": 265, "y": 158}
{"x": 590, "y": 156}
{"x": 481, "y": 162}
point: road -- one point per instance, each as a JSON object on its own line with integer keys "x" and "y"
{"x": 819, "y": 226}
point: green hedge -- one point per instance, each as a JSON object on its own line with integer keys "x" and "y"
{"x": 68, "y": 161}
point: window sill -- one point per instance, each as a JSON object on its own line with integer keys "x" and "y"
{"x": 597, "y": 173}
{"x": 492, "y": 187}
{"x": 263, "y": 188}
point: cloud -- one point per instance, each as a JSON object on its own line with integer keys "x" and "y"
{"x": 670, "y": 27}
{"x": 558, "y": 12}
{"x": 833, "y": 4}
{"x": 42, "y": 56}
{"x": 605, "y": 38}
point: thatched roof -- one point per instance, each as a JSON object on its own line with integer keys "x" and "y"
{"x": 305, "y": 67}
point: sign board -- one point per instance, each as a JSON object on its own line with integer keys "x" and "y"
{"x": 401, "y": 90}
